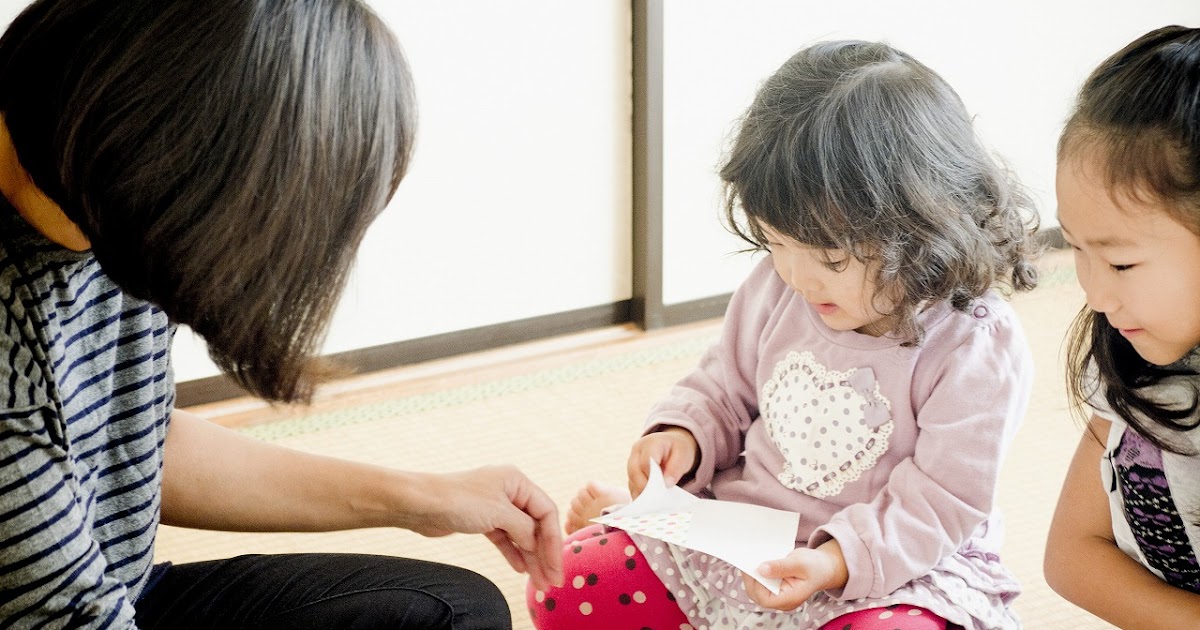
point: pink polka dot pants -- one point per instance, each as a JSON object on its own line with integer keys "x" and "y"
{"x": 608, "y": 586}
{"x": 899, "y": 617}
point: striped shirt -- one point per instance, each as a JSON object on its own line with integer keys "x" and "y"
{"x": 85, "y": 395}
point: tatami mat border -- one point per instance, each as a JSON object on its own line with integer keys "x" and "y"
{"x": 472, "y": 393}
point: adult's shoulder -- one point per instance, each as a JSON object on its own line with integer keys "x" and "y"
{"x": 27, "y": 276}
{"x": 23, "y": 366}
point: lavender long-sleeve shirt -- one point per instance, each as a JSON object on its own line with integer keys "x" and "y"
{"x": 893, "y": 451}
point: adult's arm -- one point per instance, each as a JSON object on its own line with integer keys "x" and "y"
{"x": 216, "y": 478}
{"x": 52, "y": 571}
{"x": 1084, "y": 564}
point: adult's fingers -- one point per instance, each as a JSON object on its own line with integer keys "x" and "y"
{"x": 534, "y": 529}
{"x": 510, "y": 552}
{"x": 546, "y": 556}
{"x": 542, "y": 573}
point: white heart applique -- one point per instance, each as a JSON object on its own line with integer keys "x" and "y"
{"x": 830, "y": 426}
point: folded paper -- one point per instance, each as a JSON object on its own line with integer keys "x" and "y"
{"x": 741, "y": 534}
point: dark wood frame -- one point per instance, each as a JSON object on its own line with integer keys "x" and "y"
{"x": 645, "y": 308}
{"x": 649, "y": 311}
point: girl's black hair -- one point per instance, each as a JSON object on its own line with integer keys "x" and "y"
{"x": 1139, "y": 113}
{"x": 856, "y": 146}
{"x": 224, "y": 157}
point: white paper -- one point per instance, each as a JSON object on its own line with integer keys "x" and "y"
{"x": 741, "y": 534}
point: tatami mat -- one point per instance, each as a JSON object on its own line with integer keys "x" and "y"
{"x": 571, "y": 417}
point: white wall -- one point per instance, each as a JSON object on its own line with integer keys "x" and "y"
{"x": 1016, "y": 64}
{"x": 518, "y": 201}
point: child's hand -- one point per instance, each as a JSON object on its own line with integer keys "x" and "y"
{"x": 674, "y": 449}
{"x": 804, "y": 572}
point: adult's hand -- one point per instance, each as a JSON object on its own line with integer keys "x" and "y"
{"x": 501, "y": 503}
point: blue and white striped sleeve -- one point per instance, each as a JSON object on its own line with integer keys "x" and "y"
{"x": 52, "y": 573}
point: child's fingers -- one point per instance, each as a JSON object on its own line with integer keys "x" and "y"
{"x": 675, "y": 466}
{"x": 638, "y": 471}
{"x": 757, "y": 592}
{"x": 791, "y": 593}
{"x": 652, "y": 447}
{"x": 799, "y": 563}
{"x": 773, "y": 569}
{"x": 663, "y": 448}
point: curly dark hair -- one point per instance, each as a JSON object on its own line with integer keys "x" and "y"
{"x": 858, "y": 147}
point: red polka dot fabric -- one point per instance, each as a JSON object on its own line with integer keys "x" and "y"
{"x": 898, "y": 617}
{"x": 608, "y": 585}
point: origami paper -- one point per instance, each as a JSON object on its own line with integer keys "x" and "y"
{"x": 741, "y": 534}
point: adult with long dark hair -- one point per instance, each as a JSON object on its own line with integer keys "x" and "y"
{"x": 213, "y": 163}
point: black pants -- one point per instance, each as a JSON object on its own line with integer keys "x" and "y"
{"x": 322, "y": 592}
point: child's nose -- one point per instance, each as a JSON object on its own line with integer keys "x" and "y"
{"x": 1099, "y": 291}
{"x": 1102, "y": 302}
{"x": 804, "y": 280}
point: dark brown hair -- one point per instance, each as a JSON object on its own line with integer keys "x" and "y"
{"x": 224, "y": 157}
{"x": 856, "y": 146}
{"x": 1139, "y": 113}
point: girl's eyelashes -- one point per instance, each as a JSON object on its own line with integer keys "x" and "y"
{"x": 1115, "y": 267}
{"x": 833, "y": 259}
{"x": 837, "y": 265}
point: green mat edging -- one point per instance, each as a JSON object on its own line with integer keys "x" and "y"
{"x": 475, "y": 393}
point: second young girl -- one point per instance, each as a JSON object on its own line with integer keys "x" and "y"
{"x": 1125, "y": 538}
{"x": 868, "y": 376}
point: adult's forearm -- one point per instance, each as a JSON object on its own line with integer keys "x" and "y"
{"x": 216, "y": 478}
